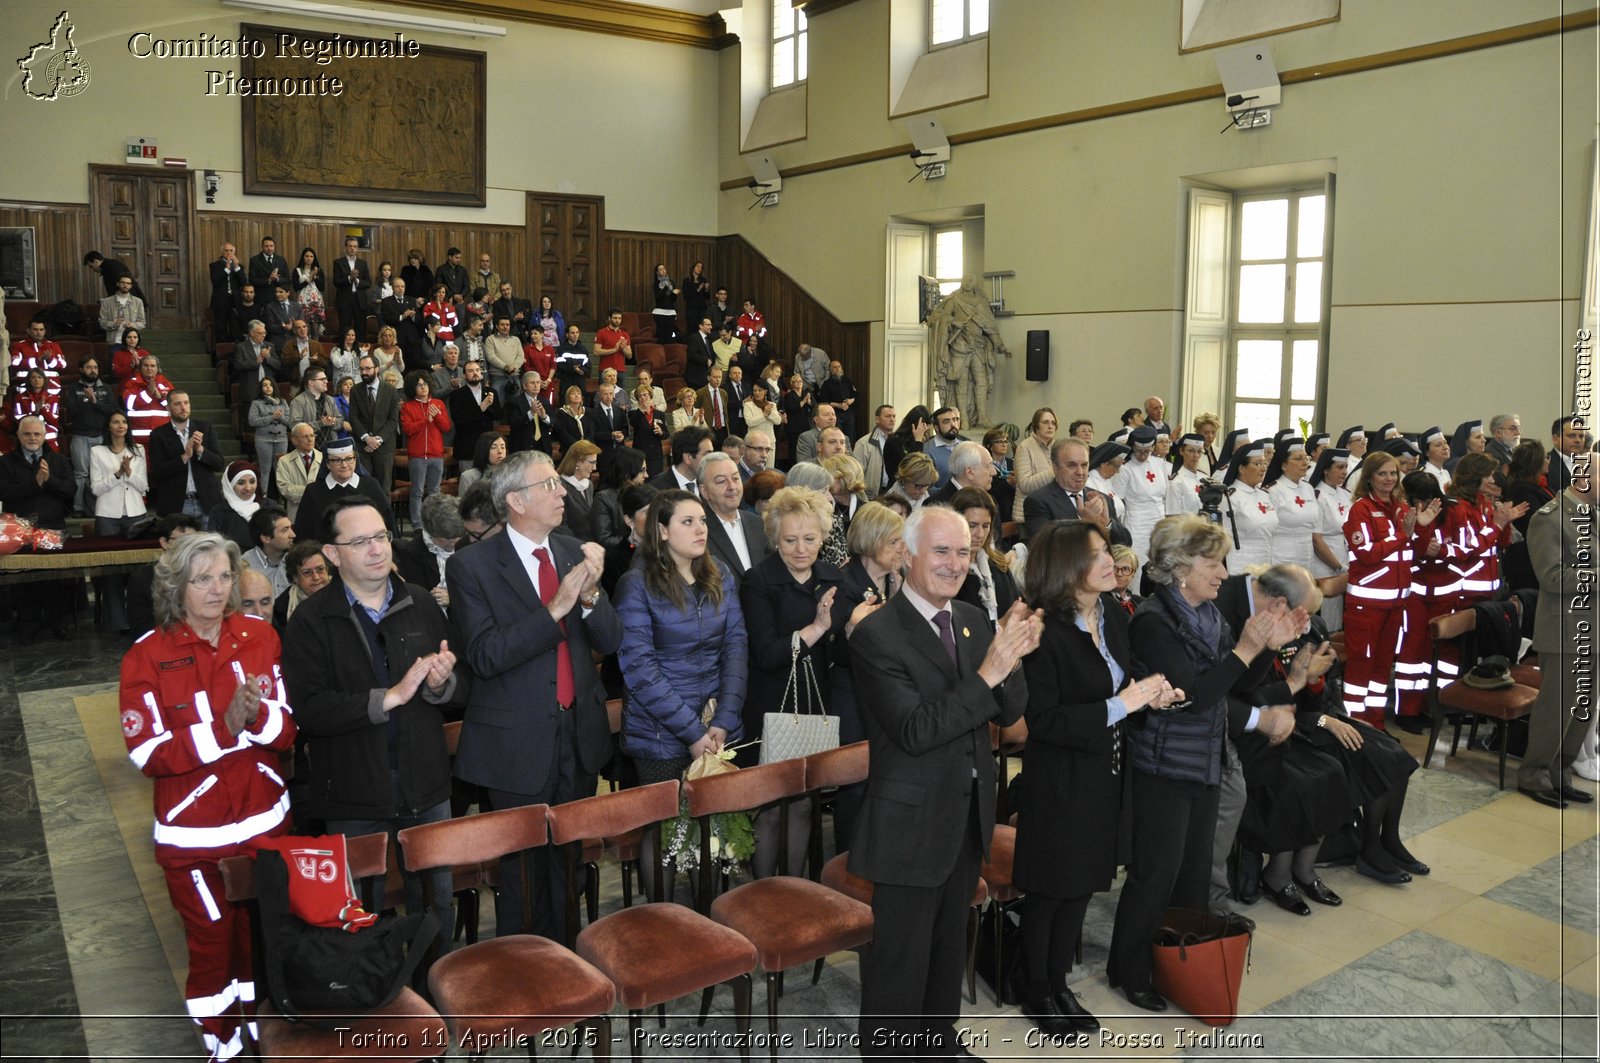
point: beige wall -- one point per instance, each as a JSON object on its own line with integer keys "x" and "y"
{"x": 1458, "y": 228}
{"x": 567, "y": 112}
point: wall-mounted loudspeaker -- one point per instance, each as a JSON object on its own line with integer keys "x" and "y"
{"x": 1038, "y": 354}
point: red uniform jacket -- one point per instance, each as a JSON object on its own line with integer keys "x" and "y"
{"x": 1380, "y": 553}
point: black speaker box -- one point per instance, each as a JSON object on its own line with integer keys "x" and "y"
{"x": 1038, "y": 354}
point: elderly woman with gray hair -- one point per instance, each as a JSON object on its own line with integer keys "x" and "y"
{"x": 204, "y": 715}
{"x": 421, "y": 559}
{"x": 1179, "y": 634}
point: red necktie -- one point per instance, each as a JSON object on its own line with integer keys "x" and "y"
{"x": 716, "y": 407}
{"x": 548, "y": 584}
{"x": 308, "y": 464}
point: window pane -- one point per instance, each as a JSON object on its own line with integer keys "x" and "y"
{"x": 800, "y": 56}
{"x": 1261, "y": 294}
{"x": 947, "y": 254}
{"x": 1312, "y": 212}
{"x": 1264, "y": 228}
{"x": 1308, "y": 292}
{"x": 782, "y": 18}
{"x": 800, "y": 21}
{"x": 977, "y": 16}
{"x": 1258, "y": 369}
{"x": 1260, "y": 417}
{"x": 1303, "y": 377}
{"x": 946, "y": 287}
{"x": 946, "y": 21}
{"x": 782, "y": 63}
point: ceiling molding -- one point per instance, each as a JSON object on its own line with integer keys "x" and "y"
{"x": 1527, "y": 31}
{"x": 617, "y": 18}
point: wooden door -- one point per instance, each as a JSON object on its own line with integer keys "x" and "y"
{"x": 144, "y": 217}
{"x": 566, "y": 235}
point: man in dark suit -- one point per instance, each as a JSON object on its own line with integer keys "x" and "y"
{"x": 36, "y": 482}
{"x": 1060, "y": 499}
{"x": 351, "y": 279}
{"x": 1569, "y": 436}
{"x": 268, "y": 268}
{"x": 227, "y": 279}
{"x": 937, "y": 678}
{"x": 279, "y": 316}
{"x": 399, "y": 312}
{"x": 735, "y": 536}
{"x": 737, "y": 391}
{"x": 697, "y": 370}
{"x": 339, "y": 479}
{"x": 184, "y": 463}
{"x": 689, "y": 445}
{"x": 530, "y": 612}
{"x": 253, "y": 359}
{"x": 474, "y": 410}
{"x": 610, "y": 419}
{"x": 375, "y": 423}
{"x": 517, "y": 311}
{"x": 713, "y": 399}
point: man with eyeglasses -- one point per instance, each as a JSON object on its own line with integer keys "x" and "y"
{"x": 530, "y": 613}
{"x": 368, "y": 667}
{"x": 341, "y": 479}
{"x": 757, "y": 454}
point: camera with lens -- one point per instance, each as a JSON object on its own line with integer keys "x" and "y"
{"x": 1212, "y": 492}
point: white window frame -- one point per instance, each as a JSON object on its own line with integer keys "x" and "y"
{"x": 1288, "y": 330}
{"x": 797, "y": 41}
{"x": 967, "y": 33}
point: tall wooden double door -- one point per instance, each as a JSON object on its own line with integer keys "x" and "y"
{"x": 143, "y": 217}
{"x": 566, "y": 235}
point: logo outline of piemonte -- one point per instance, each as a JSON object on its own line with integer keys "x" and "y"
{"x": 56, "y": 64}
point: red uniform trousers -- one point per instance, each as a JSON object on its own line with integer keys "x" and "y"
{"x": 1371, "y": 637}
{"x": 221, "y": 991}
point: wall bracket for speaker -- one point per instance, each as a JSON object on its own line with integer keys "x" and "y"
{"x": 997, "y": 297}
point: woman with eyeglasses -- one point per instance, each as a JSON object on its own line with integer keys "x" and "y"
{"x": 1248, "y": 515}
{"x": 204, "y": 715}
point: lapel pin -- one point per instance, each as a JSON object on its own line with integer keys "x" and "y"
{"x": 966, "y": 633}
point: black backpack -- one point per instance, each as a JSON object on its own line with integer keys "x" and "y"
{"x": 312, "y": 968}
{"x": 64, "y": 319}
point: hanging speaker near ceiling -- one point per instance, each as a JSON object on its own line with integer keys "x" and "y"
{"x": 1038, "y": 354}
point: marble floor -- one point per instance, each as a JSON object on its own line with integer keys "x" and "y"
{"x": 1493, "y": 956}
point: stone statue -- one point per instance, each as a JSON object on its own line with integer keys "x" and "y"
{"x": 966, "y": 344}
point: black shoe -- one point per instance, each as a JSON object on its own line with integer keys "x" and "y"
{"x": 1413, "y": 724}
{"x": 1045, "y": 1015}
{"x": 1572, "y": 793}
{"x": 1392, "y": 878}
{"x": 1406, "y": 862}
{"x": 1287, "y": 898}
{"x": 1068, "y": 1005}
{"x": 1318, "y": 891}
{"x": 1148, "y": 999}
{"x": 1552, "y": 798}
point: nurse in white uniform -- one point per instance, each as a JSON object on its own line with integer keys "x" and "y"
{"x": 1248, "y": 514}
{"x": 1355, "y": 441}
{"x": 1435, "y": 452}
{"x": 1332, "y": 552}
{"x": 1295, "y": 501}
{"x": 1183, "y": 490}
{"x": 1141, "y": 486}
{"x": 1104, "y": 465}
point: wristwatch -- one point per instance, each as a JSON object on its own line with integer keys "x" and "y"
{"x": 1322, "y": 722}
{"x": 588, "y": 601}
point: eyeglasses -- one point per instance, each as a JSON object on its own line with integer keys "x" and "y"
{"x": 758, "y": 450}
{"x": 341, "y": 461}
{"x": 1123, "y": 570}
{"x": 208, "y": 581}
{"x": 478, "y": 536}
{"x": 553, "y": 484}
{"x": 366, "y": 540}
{"x": 316, "y": 570}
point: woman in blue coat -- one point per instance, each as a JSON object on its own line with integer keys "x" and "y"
{"x": 684, "y": 655}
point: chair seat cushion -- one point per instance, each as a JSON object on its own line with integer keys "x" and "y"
{"x": 997, "y": 869}
{"x": 794, "y": 920}
{"x": 1510, "y": 703}
{"x": 521, "y": 981}
{"x": 659, "y": 952}
{"x": 1527, "y": 675}
{"x": 405, "y": 1021}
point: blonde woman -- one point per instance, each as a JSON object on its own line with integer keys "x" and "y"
{"x": 686, "y": 414}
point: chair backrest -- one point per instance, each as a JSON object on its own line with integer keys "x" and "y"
{"x": 474, "y": 839}
{"x": 1453, "y": 625}
{"x": 736, "y": 791}
{"x": 609, "y": 815}
{"x": 837, "y": 767}
{"x": 367, "y": 854}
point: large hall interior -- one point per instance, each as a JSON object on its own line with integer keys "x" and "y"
{"x": 1309, "y": 214}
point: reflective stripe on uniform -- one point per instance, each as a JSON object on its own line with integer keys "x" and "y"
{"x": 226, "y": 834}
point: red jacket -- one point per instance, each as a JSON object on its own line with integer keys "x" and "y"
{"x": 46, "y": 356}
{"x": 751, "y": 327}
{"x": 145, "y": 414}
{"x": 1380, "y": 553}
{"x": 445, "y": 314}
{"x": 1474, "y": 543}
{"x": 125, "y": 363}
{"x": 424, "y": 438}
{"x": 214, "y": 792}
{"x": 45, "y": 405}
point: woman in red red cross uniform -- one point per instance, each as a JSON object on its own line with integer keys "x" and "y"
{"x": 204, "y": 715}
{"x": 1380, "y": 531}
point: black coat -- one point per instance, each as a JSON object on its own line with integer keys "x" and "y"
{"x": 21, "y": 493}
{"x": 700, "y": 359}
{"x": 569, "y": 428}
{"x": 1005, "y": 590}
{"x": 318, "y": 496}
{"x": 775, "y": 607}
{"x": 1051, "y": 503}
{"x": 470, "y": 419}
{"x": 338, "y": 704}
{"x": 1070, "y": 819}
{"x": 169, "y": 474}
{"x": 522, "y": 419}
{"x": 416, "y": 563}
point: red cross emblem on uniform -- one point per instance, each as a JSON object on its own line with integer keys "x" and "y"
{"x": 1341, "y": 509}
{"x": 1150, "y": 476}
{"x": 1299, "y": 501}
{"x": 1263, "y": 507}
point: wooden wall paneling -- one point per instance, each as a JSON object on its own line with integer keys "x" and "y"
{"x": 62, "y": 233}
{"x": 630, "y": 265}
